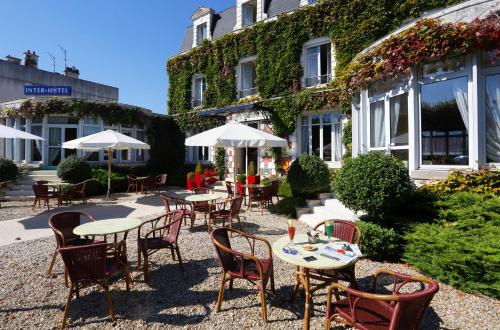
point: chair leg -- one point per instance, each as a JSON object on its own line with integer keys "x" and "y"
{"x": 296, "y": 285}
{"x": 126, "y": 274}
{"x": 66, "y": 279}
{"x": 34, "y": 204}
{"x": 172, "y": 252}
{"x": 231, "y": 284}
{"x": 273, "y": 289}
{"x": 139, "y": 257}
{"x": 262, "y": 295}
{"x": 179, "y": 257}
{"x": 110, "y": 301}
{"x": 66, "y": 308}
{"x": 221, "y": 292}
{"x": 49, "y": 272}
{"x": 145, "y": 268}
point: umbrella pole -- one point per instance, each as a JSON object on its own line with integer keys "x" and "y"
{"x": 110, "y": 155}
{"x": 234, "y": 166}
{"x": 246, "y": 161}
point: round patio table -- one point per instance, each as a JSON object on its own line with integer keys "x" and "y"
{"x": 197, "y": 198}
{"x": 140, "y": 181}
{"x": 302, "y": 267}
{"x": 107, "y": 227}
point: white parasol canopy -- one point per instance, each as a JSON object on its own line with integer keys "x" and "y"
{"x": 235, "y": 135}
{"x": 108, "y": 140}
{"x": 12, "y": 133}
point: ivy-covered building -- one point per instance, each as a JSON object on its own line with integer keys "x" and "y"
{"x": 434, "y": 98}
{"x": 280, "y": 65}
{"x": 59, "y": 108}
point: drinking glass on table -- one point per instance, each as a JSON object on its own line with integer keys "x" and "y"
{"x": 329, "y": 229}
{"x": 291, "y": 231}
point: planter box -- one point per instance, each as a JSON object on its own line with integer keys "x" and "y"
{"x": 199, "y": 180}
{"x": 239, "y": 189}
{"x": 253, "y": 179}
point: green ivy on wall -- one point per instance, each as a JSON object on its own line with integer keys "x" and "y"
{"x": 351, "y": 25}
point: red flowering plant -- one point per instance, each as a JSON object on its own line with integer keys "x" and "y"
{"x": 427, "y": 41}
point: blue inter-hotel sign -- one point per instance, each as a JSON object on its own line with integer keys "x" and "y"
{"x": 48, "y": 90}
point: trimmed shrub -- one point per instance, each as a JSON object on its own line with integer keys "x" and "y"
{"x": 373, "y": 182}
{"x": 8, "y": 170}
{"x": 284, "y": 189}
{"x": 309, "y": 174}
{"x": 462, "y": 249}
{"x": 286, "y": 206}
{"x": 241, "y": 177}
{"x": 251, "y": 168}
{"x": 220, "y": 162}
{"x": 379, "y": 243}
{"x": 199, "y": 168}
{"x": 73, "y": 169}
{"x": 119, "y": 182}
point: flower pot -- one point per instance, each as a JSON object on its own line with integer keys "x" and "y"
{"x": 253, "y": 179}
{"x": 190, "y": 184}
{"x": 239, "y": 187}
{"x": 199, "y": 180}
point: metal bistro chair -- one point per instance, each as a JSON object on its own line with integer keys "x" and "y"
{"x": 395, "y": 311}
{"x": 163, "y": 233}
{"x": 89, "y": 265}
{"x": 239, "y": 265}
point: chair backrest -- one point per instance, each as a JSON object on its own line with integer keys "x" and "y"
{"x": 344, "y": 230}
{"x": 131, "y": 178}
{"x": 267, "y": 192}
{"x": 220, "y": 239}
{"x": 236, "y": 205}
{"x": 40, "y": 190}
{"x": 41, "y": 182}
{"x": 229, "y": 188}
{"x": 201, "y": 190}
{"x": 175, "y": 220}
{"x": 166, "y": 203}
{"x": 85, "y": 262}
{"x": 63, "y": 224}
{"x": 161, "y": 179}
{"x": 275, "y": 185}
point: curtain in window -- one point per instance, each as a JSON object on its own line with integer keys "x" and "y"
{"x": 247, "y": 76}
{"x": 377, "y": 125}
{"x": 493, "y": 118}
{"x": 312, "y": 62}
{"x": 461, "y": 99}
{"x": 395, "y": 109}
{"x": 248, "y": 17}
{"x": 338, "y": 141}
{"x": 305, "y": 137}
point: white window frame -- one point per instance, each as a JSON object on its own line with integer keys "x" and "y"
{"x": 205, "y": 36}
{"x": 244, "y": 7}
{"x": 317, "y": 42}
{"x": 336, "y": 119}
{"x": 130, "y": 131}
{"x": 239, "y": 76}
{"x": 194, "y": 101}
{"x": 472, "y": 109}
{"x": 96, "y": 125}
{"x": 138, "y": 151}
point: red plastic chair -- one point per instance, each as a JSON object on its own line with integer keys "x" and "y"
{"x": 63, "y": 224}
{"x": 163, "y": 233}
{"x": 350, "y": 233}
{"x": 395, "y": 311}
{"x": 88, "y": 265}
{"x": 239, "y": 265}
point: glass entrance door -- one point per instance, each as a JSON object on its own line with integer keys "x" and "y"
{"x": 58, "y": 135}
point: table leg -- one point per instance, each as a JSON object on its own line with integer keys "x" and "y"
{"x": 304, "y": 276}
{"x": 296, "y": 284}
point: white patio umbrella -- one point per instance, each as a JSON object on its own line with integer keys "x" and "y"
{"x": 235, "y": 135}
{"x": 106, "y": 140}
{"x": 12, "y": 133}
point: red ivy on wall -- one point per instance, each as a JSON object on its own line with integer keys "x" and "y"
{"x": 427, "y": 41}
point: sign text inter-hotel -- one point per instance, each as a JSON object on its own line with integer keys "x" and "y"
{"x": 47, "y": 90}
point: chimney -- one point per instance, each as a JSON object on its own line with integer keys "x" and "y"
{"x": 30, "y": 59}
{"x": 72, "y": 72}
{"x": 12, "y": 59}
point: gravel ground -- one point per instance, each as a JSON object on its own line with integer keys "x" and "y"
{"x": 28, "y": 299}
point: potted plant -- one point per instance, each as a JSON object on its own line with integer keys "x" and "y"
{"x": 252, "y": 177}
{"x": 190, "y": 182}
{"x": 240, "y": 181}
{"x": 199, "y": 176}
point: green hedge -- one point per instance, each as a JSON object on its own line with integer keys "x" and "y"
{"x": 309, "y": 174}
{"x": 379, "y": 243}
{"x": 99, "y": 185}
{"x": 74, "y": 169}
{"x": 8, "y": 170}
{"x": 463, "y": 247}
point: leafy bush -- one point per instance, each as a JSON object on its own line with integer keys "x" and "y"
{"x": 73, "y": 169}
{"x": 483, "y": 181}
{"x": 462, "y": 248}
{"x": 251, "y": 168}
{"x": 241, "y": 177}
{"x": 220, "y": 162}
{"x": 284, "y": 189}
{"x": 190, "y": 175}
{"x": 309, "y": 174}
{"x": 8, "y": 170}
{"x": 373, "y": 182}
{"x": 119, "y": 182}
{"x": 199, "y": 168}
{"x": 286, "y": 206}
{"x": 379, "y": 243}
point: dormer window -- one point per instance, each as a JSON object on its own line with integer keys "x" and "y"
{"x": 246, "y": 81}
{"x": 317, "y": 62}
{"x": 249, "y": 12}
{"x": 199, "y": 87}
{"x": 201, "y": 33}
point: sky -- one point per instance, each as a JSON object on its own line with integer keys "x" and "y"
{"x": 122, "y": 43}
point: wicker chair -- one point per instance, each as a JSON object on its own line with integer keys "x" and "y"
{"x": 132, "y": 183}
{"x": 78, "y": 191}
{"x": 149, "y": 185}
{"x": 162, "y": 233}
{"x": 221, "y": 214}
{"x": 202, "y": 207}
{"x": 161, "y": 182}
{"x": 262, "y": 196}
{"x": 349, "y": 232}
{"x": 88, "y": 265}
{"x": 238, "y": 265}
{"x": 229, "y": 187}
{"x": 62, "y": 224}
{"x": 274, "y": 190}
{"x": 395, "y": 311}
{"x": 42, "y": 193}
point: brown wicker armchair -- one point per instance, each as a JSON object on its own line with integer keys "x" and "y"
{"x": 62, "y": 224}
{"x": 88, "y": 265}
{"x": 350, "y": 233}
{"x": 162, "y": 233}
{"x": 161, "y": 182}
{"x": 42, "y": 193}
{"x": 132, "y": 183}
{"x": 239, "y": 265}
{"x": 229, "y": 187}
{"x": 202, "y": 207}
{"x": 395, "y": 311}
{"x": 221, "y": 214}
{"x": 77, "y": 191}
{"x": 274, "y": 190}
